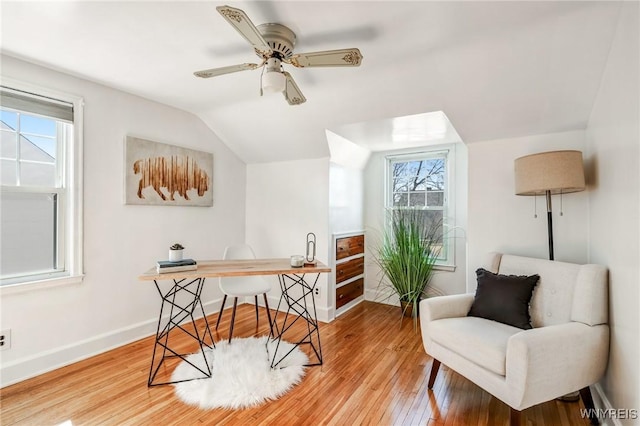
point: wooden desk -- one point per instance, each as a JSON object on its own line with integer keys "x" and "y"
{"x": 236, "y": 268}
{"x": 188, "y": 285}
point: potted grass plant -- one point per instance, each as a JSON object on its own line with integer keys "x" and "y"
{"x": 407, "y": 255}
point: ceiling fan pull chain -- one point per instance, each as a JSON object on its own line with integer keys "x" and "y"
{"x": 535, "y": 206}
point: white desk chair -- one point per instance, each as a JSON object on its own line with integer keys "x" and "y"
{"x": 242, "y": 286}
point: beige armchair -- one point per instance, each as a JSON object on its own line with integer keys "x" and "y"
{"x": 565, "y": 351}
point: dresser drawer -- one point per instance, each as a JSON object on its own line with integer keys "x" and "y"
{"x": 349, "y": 246}
{"x": 347, "y": 293}
{"x": 349, "y": 269}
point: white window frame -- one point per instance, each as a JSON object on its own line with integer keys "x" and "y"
{"x": 448, "y": 151}
{"x": 70, "y": 226}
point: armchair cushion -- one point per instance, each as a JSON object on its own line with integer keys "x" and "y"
{"x": 504, "y": 298}
{"x": 487, "y": 338}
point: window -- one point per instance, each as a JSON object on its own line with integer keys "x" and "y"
{"x": 40, "y": 178}
{"x": 421, "y": 182}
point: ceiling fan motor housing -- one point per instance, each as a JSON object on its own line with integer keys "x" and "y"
{"x": 280, "y": 38}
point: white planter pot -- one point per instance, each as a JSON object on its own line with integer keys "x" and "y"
{"x": 175, "y": 255}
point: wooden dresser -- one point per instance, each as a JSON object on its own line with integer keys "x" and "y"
{"x": 349, "y": 270}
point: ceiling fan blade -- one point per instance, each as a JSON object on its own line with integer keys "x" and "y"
{"x": 327, "y": 58}
{"x": 241, "y": 22}
{"x": 292, "y": 92}
{"x": 225, "y": 70}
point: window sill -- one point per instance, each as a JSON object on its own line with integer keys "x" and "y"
{"x": 29, "y": 286}
{"x": 447, "y": 268}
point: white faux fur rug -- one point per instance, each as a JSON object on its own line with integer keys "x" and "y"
{"x": 241, "y": 374}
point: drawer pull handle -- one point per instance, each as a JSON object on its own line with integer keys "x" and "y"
{"x": 341, "y": 296}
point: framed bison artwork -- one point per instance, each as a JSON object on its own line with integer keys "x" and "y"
{"x": 168, "y": 175}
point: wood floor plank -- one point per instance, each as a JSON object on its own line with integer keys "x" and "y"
{"x": 375, "y": 372}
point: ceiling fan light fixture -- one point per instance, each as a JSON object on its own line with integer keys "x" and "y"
{"x": 273, "y": 81}
{"x": 273, "y": 43}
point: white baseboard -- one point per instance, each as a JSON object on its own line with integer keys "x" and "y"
{"x": 381, "y": 296}
{"x": 324, "y": 314}
{"x": 43, "y": 362}
{"x": 601, "y": 401}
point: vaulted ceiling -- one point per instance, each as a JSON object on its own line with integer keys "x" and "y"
{"x": 496, "y": 69}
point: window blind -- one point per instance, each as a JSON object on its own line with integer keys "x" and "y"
{"x": 35, "y": 104}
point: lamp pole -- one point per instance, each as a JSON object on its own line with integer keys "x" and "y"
{"x": 549, "y": 224}
{"x": 558, "y": 171}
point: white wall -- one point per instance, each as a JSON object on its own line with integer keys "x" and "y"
{"x": 501, "y": 221}
{"x": 346, "y": 216}
{"x": 345, "y": 199}
{"x": 111, "y": 307}
{"x": 286, "y": 201}
{"x": 613, "y": 138}
{"x": 443, "y": 282}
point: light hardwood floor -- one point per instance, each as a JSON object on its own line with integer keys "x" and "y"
{"x": 375, "y": 372}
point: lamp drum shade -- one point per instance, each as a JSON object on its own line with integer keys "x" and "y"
{"x": 555, "y": 171}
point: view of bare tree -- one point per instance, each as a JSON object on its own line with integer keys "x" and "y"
{"x": 418, "y": 183}
{"x": 421, "y": 183}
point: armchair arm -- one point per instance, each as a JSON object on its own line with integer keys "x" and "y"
{"x": 440, "y": 307}
{"x": 453, "y": 306}
{"x": 547, "y": 362}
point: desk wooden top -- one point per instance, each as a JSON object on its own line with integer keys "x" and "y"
{"x": 236, "y": 268}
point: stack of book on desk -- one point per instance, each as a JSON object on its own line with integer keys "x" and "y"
{"x": 166, "y": 266}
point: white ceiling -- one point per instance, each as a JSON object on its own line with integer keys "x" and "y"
{"x": 408, "y": 131}
{"x": 496, "y": 69}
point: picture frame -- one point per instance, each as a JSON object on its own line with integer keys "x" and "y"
{"x": 168, "y": 175}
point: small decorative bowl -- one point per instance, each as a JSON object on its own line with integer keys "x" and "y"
{"x": 297, "y": 261}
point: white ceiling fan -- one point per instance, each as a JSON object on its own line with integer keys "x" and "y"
{"x": 273, "y": 43}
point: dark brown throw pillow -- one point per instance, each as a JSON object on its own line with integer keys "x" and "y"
{"x": 504, "y": 298}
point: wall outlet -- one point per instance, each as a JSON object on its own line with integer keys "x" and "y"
{"x": 5, "y": 339}
{"x": 316, "y": 292}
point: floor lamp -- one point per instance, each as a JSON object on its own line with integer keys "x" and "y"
{"x": 550, "y": 173}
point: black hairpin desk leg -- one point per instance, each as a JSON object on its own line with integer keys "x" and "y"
{"x": 294, "y": 293}
{"x": 181, "y": 301}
